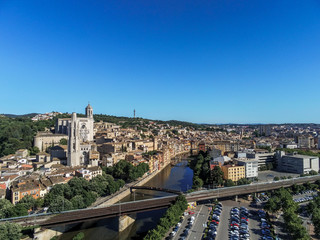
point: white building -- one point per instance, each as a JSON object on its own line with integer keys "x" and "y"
{"x": 263, "y": 158}
{"x": 296, "y": 163}
{"x": 251, "y": 167}
{"x": 80, "y": 144}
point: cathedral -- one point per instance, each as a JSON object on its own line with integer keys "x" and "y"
{"x": 81, "y": 146}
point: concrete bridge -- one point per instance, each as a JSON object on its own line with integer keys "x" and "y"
{"x": 125, "y": 209}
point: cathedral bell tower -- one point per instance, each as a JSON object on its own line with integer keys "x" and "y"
{"x": 89, "y": 111}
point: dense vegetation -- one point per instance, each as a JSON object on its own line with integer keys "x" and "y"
{"x": 10, "y": 231}
{"x": 314, "y": 208}
{"x": 170, "y": 218}
{"x": 79, "y": 193}
{"x": 126, "y": 171}
{"x": 8, "y": 210}
{"x": 16, "y": 133}
{"x": 282, "y": 200}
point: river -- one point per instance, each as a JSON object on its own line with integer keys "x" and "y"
{"x": 178, "y": 177}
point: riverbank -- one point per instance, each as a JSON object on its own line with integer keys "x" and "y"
{"x": 125, "y": 191}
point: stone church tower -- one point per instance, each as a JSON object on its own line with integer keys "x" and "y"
{"x": 80, "y": 138}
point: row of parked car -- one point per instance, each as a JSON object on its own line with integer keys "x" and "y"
{"x": 265, "y": 226}
{"x": 239, "y": 224}
{"x": 186, "y": 231}
{"x": 305, "y": 198}
{"x": 261, "y": 199}
{"x": 214, "y": 220}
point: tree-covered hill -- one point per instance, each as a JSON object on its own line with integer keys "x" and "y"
{"x": 16, "y": 133}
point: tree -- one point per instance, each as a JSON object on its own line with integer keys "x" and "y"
{"x": 269, "y": 165}
{"x": 19, "y": 210}
{"x": 276, "y": 179}
{"x": 77, "y": 202}
{"x": 10, "y": 231}
{"x": 6, "y": 208}
{"x": 228, "y": 183}
{"x": 63, "y": 141}
{"x": 34, "y": 150}
{"x": 273, "y": 204}
{"x": 197, "y": 182}
{"x": 316, "y": 221}
{"x": 313, "y": 172}
{"x": 79, "y": 236}
{"x": 217, "y": 176}
{"x": 28, "y": 201}
{"x": 243, "y": 181}
{"x": 60, "y": 204}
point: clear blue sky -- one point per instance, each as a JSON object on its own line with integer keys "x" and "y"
{"x": 200, "y": 61}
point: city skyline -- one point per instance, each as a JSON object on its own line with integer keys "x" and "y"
{"x": 252, "y": 62}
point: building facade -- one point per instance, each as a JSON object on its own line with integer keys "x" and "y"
{"x": 251, "y": 167}
{"x": 297, "y": 163}
{"x": 80, "y": 133}
{"x": 233, "y": 173}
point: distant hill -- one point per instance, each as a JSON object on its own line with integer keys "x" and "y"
{"x": 17, "y": 116}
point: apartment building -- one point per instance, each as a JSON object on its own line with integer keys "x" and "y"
{"x": 24, "y": 188}
{"x": 233, "y": 172}
{"x": 251, "y": 167}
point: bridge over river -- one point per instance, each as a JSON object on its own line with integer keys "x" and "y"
{"x": 67, "y": 217}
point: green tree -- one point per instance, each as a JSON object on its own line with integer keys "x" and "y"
{"x": 6, "y": 208}
{"x": 273, "y": 204}
{"x": 276, "y": 179}
{"x": 197, "y": 183}
{"x": 78, "y": 202}
{"x": 63, "y": 141}
{"x": 243, "y": 181}
{"x": 60, "y": 204}
{"x": 79, "y": 236}
{"x": 217, "y": 176}
{"x": 34, "y": 150}
{"x": 313, "y": 172}
{"x": 228, "y": 183}
{"x": 10, "y": 231}
{"x": 29, "y": 202}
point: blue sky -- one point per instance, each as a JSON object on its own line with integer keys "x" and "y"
{"x": 200, "y": 61}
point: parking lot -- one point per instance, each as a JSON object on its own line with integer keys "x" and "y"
{"x": 196, "y": 230}
{"x": 223, "y": 231}
{"x": 256, "y": 226}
